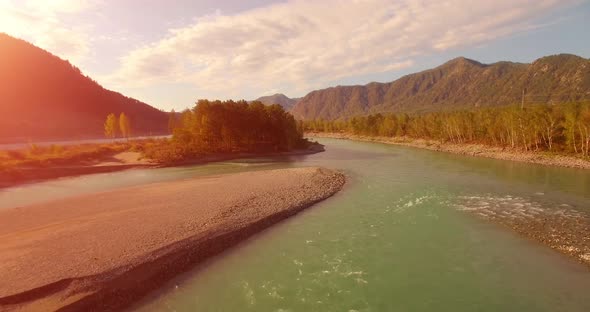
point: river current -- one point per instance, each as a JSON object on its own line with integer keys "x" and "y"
{"x": 400, "y": 236}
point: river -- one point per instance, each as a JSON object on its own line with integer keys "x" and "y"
{"x": 394, "y": 239}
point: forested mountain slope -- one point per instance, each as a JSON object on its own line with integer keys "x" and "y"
{"x": 279, "y": 98}
{"x": 459, "y": 83}
{"x": 45, "y": 97}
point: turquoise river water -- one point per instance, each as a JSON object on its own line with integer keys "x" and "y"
{"x": 394, "y": 239}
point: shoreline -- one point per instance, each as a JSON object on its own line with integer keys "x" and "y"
{"x": 476, "y": 150}
{"x": 113, "y": 261}
{"x": 34, "y": 175}
{"x": 564, "y": 229}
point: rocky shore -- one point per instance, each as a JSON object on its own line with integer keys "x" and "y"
{"x": 478, "y": 150}
{"x": 104, "y": 251}
{"x": 562, "y": 228}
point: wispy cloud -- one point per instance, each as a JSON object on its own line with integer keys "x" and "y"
{"x": 43, "y": 22}
{"x": 305, "y": 44}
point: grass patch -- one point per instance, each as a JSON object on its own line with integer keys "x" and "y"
{"x": 55, "y": 155}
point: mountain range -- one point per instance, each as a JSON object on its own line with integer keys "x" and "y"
{"x": 281, "y": 99}
{"x": 45, "y": 97}
{"x": 459, "y": 83}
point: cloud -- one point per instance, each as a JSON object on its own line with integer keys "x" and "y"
{"x": 306, "y": 44}
{"x": 42, "y": 23}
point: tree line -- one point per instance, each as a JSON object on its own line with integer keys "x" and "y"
{"x": 229, "y": 126}
{"x": 114, "y": 126}
{"x": 554, "y": 128}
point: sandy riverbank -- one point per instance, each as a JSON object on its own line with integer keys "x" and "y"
{"x": 478, "y": 150}
{"x": 101, "y": 252}
{"x": 124, "y": 161}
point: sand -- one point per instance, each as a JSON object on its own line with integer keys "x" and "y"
{"x": 128, "y": 160}
{"x": 104, "y": 251}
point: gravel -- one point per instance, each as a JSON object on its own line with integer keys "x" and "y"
{"x": 105, "y": 251}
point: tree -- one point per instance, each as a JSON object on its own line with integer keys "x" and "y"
{"x": 229, "y": 126}
{"x": 564, "y": 127}
{"x": 111, "y": 126}
{"x": 124, "y": 125}
{"x": 172, "y": 121}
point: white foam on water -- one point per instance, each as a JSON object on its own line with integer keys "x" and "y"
{"x": 248, "y": 293}
{"x": 407, "y": 202}
{"x": 361, "y": 281}
{"x": 500, "y": 206}
{"x": 514, "y": 208}
{"x": 355, "y": 273}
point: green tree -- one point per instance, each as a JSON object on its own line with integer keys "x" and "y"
{"x": 564, "y": 127}
{"x": 124, "y": 125}
{"x": 111, "y": 126}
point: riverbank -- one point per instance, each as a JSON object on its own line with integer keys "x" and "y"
{"x": 562, "y": 228}
{"x": 104, "y": 251}
{"x": 478, "y": 150}
{"x": 118, "y": 161}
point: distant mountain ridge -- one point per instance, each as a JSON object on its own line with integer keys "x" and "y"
{"x": 459, "y": 83}
{"x": 279, "y": 98}
{"x": 45, "y": 97}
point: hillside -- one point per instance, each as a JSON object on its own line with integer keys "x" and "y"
{"x": 45, "y": 97}
{"x": 458, "y": 83}
{"x": 281, "y": 99}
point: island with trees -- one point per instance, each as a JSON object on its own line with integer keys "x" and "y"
{"x": 210, "y": 131}
{"x": 228, "y": 127}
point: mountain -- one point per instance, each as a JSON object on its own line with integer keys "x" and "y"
{"x": 45, "y": 97}
{"x": 459, "y": 83}
{"x": 281, "y": 99}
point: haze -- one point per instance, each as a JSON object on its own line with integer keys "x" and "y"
{"x": 170, "y": 55}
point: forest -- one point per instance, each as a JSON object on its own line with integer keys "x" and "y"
{"x": 44, "y": 97}
{"x": 228, "y": 127}
{"x": 560, "y": 128}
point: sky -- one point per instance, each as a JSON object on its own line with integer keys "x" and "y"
{"x": 171, "y": 53}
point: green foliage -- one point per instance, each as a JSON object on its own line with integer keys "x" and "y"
{"x": 228, "y": 127}
{"x": 554, "y": 128}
